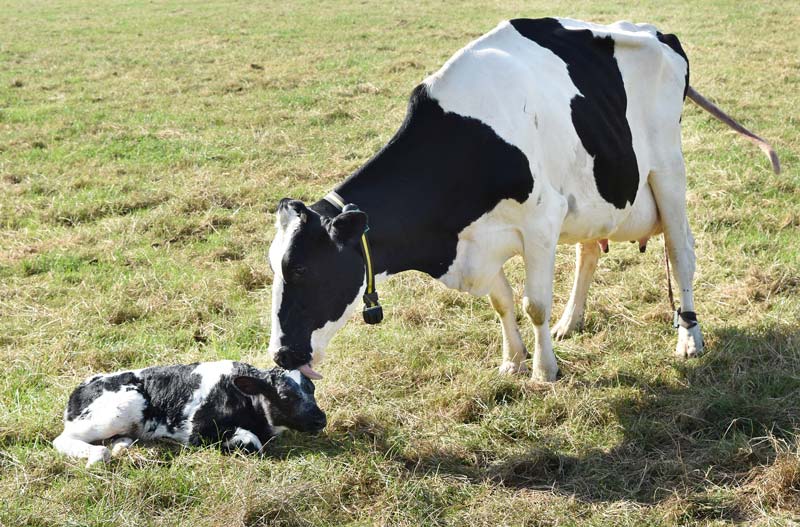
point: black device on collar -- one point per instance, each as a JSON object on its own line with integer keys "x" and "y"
{"x": 684, "y": 319}
{"x": 373, "y": 312}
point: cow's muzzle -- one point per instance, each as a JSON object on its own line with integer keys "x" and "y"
{"x": 290, "y": 359}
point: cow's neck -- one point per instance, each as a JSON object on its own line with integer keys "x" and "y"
{"x": 402, "y": 223}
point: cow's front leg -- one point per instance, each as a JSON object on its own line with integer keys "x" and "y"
{"x": 586, "y": 256}
{"x": 514, "y": 353}
{"x": 540, "y": 255}
{"x": 669, "y": 190}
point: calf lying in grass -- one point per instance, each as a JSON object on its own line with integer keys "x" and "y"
{"x": 225, "y": 402}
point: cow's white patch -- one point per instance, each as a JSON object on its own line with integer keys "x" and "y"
{"x": 690, "y": 342}
{"x": 285, "y": 229}
{"x": 320, "y": 338}
{"x": 524, "y": 92}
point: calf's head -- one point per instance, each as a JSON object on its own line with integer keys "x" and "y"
{"x": 319, "y": 274}
{"x": 287, "y": 398}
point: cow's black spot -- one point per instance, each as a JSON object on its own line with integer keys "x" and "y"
{"x": 442, "y": 172}
{"x": 599, "y": 114}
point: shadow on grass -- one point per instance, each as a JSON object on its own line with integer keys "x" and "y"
{"x": 709, "y": 432}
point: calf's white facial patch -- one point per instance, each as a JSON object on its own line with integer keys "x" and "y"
{"x": 296, "y": 376}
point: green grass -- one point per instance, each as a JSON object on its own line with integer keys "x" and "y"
{"x": 143, "y": 149}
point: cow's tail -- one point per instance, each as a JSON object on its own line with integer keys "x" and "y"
{"x": 711, "y": 108}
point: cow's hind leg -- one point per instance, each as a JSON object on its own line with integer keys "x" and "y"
{"x": 586, "y": 256}
{"x": 501, "y": 297}
{"x": 669, "y": 190}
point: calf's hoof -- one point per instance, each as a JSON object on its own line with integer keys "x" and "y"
{"x": 98, "y": 454}
{"x": 121, "y": 446}
{"x": 690, "y": 342}
{"x": 511, "y": 368}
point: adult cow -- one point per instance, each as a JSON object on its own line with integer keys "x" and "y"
{"x": 540, "y": 132}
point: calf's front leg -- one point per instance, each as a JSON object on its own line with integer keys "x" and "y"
{"x": 243, "y": 439}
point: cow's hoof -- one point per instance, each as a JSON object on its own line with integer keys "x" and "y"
{"x": 511, "y": 368}
{"x": 544, "y": 374}
{"x": 565, "y": 328}
{"x": 570, "y": 322}
{"x": 690, "y": 343}
{"x": 98, "y": 454}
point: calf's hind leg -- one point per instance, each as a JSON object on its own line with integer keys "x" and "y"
{"x": 669, "y": 190}
{"x": 77, "y": 445}
{"x": 514, "y": 353}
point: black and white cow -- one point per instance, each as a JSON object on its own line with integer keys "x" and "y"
{"x": 539, "y": 132}
{"x": 226, "y": 402}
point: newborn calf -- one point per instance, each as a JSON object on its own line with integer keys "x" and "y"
{"x": 224, "y": 402}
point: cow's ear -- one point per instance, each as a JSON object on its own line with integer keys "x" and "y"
{"x": 252, "y": 385}
{"x": 347, "y": 227}
{"x": 288, "y": 209}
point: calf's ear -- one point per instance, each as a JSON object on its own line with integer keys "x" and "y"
{"x": 251, "y": 385}
{"x": 289, "y": 209}
{"x": 347, "y": 227}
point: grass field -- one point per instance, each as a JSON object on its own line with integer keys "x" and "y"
{"x": 143, "y": 149}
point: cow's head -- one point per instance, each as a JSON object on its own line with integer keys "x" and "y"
{"x": 319, "y": 274}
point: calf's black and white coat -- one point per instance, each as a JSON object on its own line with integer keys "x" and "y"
{"x": 226, "y": 402}
{"x": 537, "y": 133}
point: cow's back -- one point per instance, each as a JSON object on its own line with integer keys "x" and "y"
{"x": 594, "y": 108}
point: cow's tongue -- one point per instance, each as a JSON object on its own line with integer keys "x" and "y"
{"x": 306, "y": 370}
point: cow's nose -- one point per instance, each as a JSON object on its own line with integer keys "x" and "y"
{"x": 290, "y": 359}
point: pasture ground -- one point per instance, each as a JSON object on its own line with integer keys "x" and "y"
{"x": 143, "y": 149}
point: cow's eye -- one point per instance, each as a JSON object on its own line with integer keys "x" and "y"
{"x": 293, "y": 273}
